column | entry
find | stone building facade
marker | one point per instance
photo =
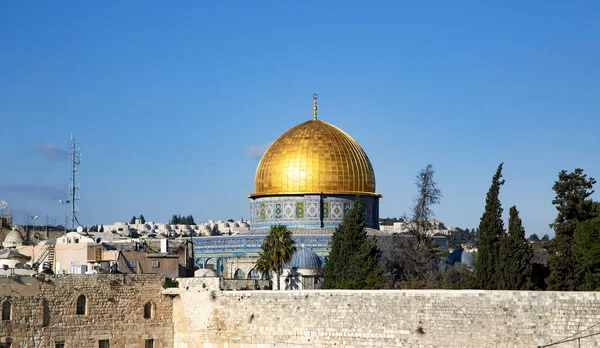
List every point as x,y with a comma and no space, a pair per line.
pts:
86,311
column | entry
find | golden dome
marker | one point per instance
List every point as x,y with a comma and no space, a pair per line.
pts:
314,157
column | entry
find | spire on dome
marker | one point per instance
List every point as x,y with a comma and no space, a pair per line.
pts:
315,96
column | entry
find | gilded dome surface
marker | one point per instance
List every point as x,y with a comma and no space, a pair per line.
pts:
314,157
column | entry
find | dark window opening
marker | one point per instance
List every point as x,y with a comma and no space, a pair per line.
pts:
104,344
6,310
148,310
150,343
81,305
59,345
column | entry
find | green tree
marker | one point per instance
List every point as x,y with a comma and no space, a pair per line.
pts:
101,228
534,238
142,219
514,263
546,238
277,249
492,232
132,221
353,261
574,206
215,231
586,249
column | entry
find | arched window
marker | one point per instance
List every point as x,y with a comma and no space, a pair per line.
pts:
265,275
252,274
148,310
6,310
238,274
81,305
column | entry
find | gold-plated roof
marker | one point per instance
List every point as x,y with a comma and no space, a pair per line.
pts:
314,157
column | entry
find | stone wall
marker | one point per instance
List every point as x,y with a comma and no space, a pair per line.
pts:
412,318
44,311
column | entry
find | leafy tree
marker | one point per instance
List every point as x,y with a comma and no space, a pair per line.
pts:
101,228
574,206
142,219
534,238
353,261
428,196
174,220
492,232
586,249
514,264
277,249
230,220
407,263
215,231
546,238
132,221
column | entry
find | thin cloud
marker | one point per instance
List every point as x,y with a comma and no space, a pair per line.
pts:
49,151
36,190
256,151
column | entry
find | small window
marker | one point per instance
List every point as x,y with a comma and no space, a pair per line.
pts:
150,343
104,344
6,310
81,305
59,344
155,263
148,310
5,345
131,263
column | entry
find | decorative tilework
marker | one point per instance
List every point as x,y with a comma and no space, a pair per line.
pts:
299,210
347,207
269,211
337,210
312,210
278,211
326,210
288,211
262,211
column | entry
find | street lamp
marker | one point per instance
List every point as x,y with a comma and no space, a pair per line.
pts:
64,203
32,218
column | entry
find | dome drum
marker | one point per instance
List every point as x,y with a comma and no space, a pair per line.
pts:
309,214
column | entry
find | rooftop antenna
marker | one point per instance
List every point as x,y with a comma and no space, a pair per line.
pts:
75,155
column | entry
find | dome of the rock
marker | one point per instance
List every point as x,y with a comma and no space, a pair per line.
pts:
310,177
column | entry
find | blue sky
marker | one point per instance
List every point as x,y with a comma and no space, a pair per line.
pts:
170,101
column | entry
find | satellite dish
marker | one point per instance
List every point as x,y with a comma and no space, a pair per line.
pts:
3,205
79,229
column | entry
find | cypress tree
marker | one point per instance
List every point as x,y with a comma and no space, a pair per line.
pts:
574,206
586,248
492,232
515,256
142,219
353,261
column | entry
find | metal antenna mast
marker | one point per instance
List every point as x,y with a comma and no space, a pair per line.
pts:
75,155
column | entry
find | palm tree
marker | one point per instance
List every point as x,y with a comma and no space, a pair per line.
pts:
277,249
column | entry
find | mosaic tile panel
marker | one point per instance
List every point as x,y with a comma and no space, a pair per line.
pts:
312,210
288,211
347,208
337,210
269,211
299,210
262,211
278,211
325,210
